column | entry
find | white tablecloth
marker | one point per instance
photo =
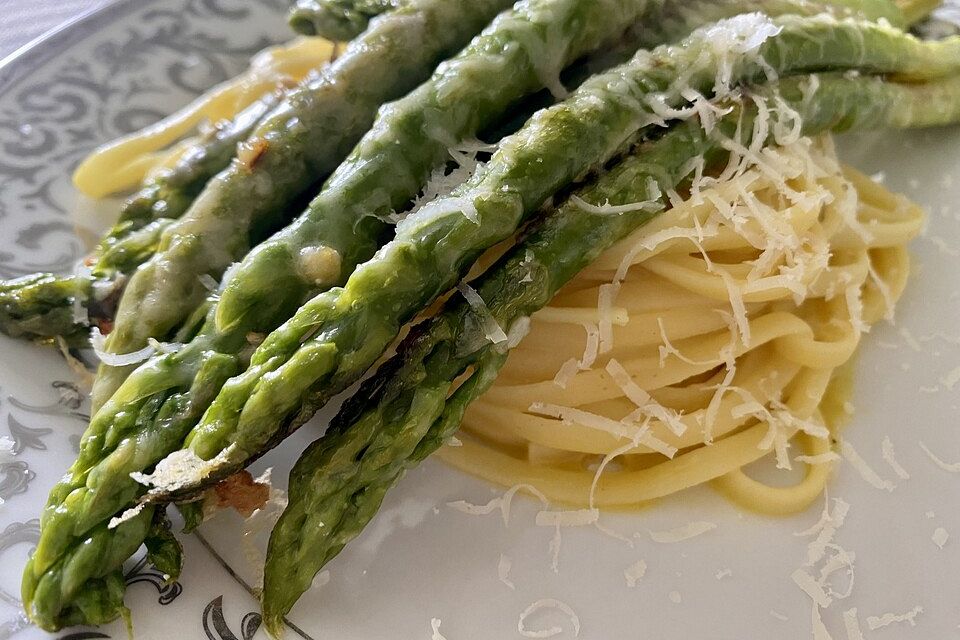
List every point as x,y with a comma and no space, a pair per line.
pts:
24,20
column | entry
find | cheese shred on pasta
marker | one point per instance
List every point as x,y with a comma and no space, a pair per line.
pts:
740,310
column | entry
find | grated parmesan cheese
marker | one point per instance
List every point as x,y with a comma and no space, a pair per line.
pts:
826,528
320,580
820,458
910,340
621,429
208,282
649,243
864,469
634,573
952,467
558,519
547,603
435,629
527,263
940,537
738,36
492,330
819,629
518,331
503,571
943,246
261,520
592,348
646,404
739,308
575,518
98,342
608,209
502,503
675,597
874,623
79,312
566,373
164,347
812,588
951,379
606,295
852,624
840,560
441,184
888,301
684,532
129,514
886,448
179,469
554,550
440,206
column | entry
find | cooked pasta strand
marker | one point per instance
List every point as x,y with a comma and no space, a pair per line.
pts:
746,382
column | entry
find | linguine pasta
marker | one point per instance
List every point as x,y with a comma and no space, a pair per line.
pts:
727,340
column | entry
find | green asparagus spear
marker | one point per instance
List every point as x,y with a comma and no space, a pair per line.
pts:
464,96
42,306
300,142
337,335
341,20
407,410
669,21
98,597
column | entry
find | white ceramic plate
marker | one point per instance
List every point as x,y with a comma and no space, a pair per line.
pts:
419,560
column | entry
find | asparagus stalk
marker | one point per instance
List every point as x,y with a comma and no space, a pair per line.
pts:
341,20
98,598
42,306
301,141
669,21
411,407
152,411
336,336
